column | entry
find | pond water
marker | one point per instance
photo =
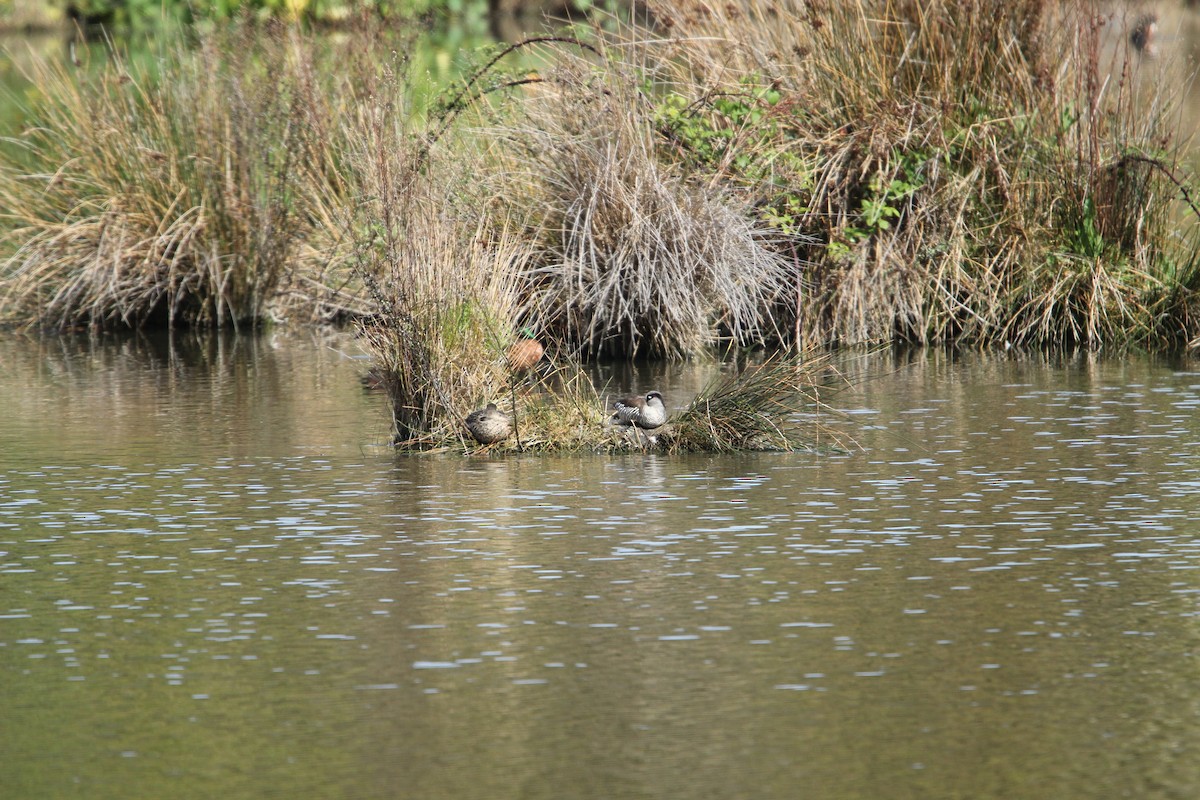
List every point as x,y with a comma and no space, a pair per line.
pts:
217,580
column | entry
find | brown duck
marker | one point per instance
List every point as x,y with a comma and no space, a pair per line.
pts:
489,425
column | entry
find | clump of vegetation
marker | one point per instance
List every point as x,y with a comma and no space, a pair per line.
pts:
635,257
776,404
439,271
169,199
986,171
445,307
443,282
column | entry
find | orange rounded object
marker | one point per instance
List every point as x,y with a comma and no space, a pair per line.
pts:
524,353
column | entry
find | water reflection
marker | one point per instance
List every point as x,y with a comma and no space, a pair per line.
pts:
144,396
995,598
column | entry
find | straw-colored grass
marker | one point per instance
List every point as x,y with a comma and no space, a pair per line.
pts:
987,171
635,258
139,198
759,173
754,173
445,307
775,404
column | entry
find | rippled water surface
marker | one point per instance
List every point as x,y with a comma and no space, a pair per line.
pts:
216,582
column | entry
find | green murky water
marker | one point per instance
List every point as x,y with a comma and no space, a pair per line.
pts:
216,581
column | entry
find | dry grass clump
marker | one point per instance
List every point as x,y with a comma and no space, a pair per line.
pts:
776,404
987,171
167,198
634,257
445,305
446,315
439,272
